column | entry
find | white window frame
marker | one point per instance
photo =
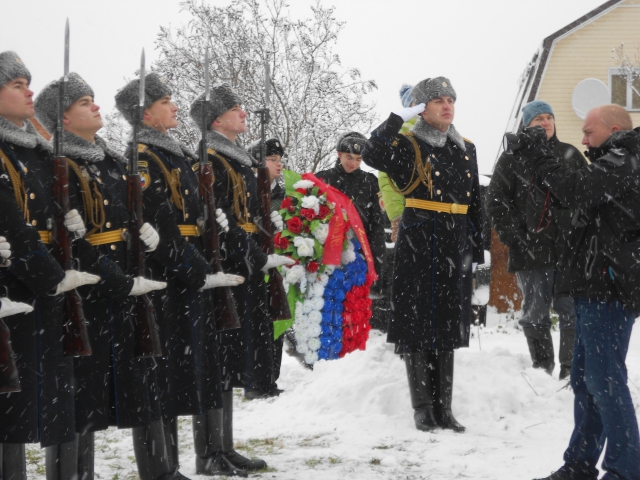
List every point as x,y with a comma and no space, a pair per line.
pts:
620,71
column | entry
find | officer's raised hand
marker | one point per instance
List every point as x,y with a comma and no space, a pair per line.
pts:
221,279
8,307
149,237
74,279
75,225
410,112
274,260
5,252
143,285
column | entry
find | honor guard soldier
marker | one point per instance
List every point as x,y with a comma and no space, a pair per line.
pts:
246,353
43,411
113,387
189,371
439,238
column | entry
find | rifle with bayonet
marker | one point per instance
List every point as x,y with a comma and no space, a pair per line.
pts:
278,304
147,339
76,337
224,305
9,377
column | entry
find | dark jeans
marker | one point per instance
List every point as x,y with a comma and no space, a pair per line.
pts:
536,287
603,409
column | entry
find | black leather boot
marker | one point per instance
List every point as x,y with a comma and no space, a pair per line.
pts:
151,451
569,473
61,461
207,442
443,381
13,463
230,454
86,455
540,346
419,376
567,337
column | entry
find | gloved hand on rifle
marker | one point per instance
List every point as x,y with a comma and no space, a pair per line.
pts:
410,112
8,307
74,279
75,225
221,279
5,252
149,237
276,220
274,260
143,285
221,220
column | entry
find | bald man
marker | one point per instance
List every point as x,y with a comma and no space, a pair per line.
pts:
605,197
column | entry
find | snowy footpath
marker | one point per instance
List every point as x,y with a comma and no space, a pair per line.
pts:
352,419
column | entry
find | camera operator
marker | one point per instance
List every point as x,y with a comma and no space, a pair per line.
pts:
520,212
606,198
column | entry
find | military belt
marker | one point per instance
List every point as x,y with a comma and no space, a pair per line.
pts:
189,230
437,206
46,236
249,227
103,238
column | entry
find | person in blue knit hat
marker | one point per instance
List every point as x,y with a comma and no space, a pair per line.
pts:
535,232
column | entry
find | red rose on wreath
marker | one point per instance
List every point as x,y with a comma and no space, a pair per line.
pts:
323,212
280,242
313,266
288,204
302,191
308,213
294,225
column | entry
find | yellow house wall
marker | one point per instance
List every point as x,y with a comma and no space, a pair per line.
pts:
587,53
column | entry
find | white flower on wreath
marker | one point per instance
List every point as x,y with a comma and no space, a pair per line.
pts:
316,303
304,246
304,184
314,344
315,317
311,202
315,330
294,274
317,290
349,255
321,232
311,357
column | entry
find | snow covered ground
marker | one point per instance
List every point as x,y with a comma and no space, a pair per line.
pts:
352,419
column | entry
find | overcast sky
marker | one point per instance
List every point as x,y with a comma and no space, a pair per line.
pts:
481,45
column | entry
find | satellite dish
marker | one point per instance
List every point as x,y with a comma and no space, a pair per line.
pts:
588,94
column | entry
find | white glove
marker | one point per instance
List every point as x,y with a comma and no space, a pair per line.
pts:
221,219
74,279
274,260
142,285
277,221
5,252
75,225
7,307
221,279
410,112
149,237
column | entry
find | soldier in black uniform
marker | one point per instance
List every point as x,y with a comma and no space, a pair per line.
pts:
44,410
112,386
189,372
247,353
439,238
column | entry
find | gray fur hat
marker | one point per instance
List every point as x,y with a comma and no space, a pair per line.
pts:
11,67
127,98
223,98
46,103
426,90
351,142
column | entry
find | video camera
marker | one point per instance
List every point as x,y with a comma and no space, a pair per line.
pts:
514,142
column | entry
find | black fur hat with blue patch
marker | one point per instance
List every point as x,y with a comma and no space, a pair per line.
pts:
351,142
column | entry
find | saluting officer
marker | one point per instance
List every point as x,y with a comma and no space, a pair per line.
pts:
43,411
112,386
439,238
247,353
189,371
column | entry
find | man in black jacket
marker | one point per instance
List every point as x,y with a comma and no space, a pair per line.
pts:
362,188
520,212
605,197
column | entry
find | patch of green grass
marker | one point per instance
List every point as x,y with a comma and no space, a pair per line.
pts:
382,447
334,460
260,446
313,462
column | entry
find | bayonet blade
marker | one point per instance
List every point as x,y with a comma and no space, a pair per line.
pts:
66,50
267,85
207,87
142,81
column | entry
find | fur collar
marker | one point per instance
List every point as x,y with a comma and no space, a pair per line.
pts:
28,138
155,138
76,147
434,137
226,147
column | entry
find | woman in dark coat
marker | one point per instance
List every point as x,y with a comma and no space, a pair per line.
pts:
188,374
439,238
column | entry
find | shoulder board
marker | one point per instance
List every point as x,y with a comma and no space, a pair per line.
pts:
195,167
467,140
142,148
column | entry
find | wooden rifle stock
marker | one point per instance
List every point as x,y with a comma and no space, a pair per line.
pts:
278,304
9,378
76,338
147,339
223,302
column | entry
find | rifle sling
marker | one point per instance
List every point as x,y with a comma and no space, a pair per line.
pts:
237,185
94,215
172,178
423,169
